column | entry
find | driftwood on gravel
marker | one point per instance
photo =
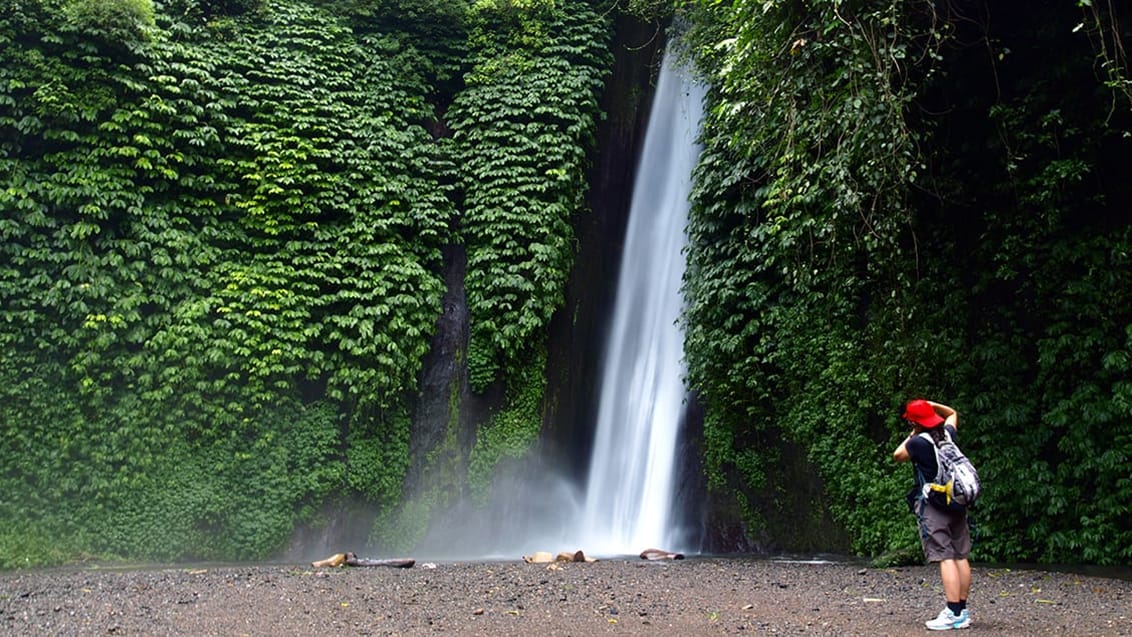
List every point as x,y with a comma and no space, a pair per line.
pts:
401,562
349,559
544,557
657,554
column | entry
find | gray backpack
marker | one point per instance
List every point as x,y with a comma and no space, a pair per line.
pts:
956,486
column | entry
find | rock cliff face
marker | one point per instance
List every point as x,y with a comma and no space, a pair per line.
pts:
577,334
447,414
445,399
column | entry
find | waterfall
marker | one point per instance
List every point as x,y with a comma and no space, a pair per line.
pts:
626,504
629,493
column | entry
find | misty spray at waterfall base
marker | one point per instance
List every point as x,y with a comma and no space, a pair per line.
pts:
627,503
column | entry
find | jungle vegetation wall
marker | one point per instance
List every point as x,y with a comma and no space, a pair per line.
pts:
919,199
222,254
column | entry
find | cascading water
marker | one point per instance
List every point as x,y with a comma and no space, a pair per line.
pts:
628,499
629,493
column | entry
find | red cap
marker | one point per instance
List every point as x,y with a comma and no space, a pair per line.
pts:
922,413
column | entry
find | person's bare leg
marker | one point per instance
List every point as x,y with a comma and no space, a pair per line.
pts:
964,567
949,572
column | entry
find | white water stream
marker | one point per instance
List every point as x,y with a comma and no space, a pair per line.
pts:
629,494
626,505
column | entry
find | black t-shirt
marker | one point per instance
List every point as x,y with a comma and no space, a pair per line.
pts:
921,449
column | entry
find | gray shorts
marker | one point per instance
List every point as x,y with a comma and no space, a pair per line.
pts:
943,534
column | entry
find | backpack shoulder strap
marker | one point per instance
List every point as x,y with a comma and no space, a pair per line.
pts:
935,449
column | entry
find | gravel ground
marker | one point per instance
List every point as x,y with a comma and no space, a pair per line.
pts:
695,596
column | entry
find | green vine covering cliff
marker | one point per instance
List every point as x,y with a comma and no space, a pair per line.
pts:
522,127
221,253
903,199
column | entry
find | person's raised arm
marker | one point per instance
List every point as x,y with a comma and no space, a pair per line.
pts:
950,416
901,453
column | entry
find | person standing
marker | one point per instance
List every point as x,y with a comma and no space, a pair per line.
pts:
944,534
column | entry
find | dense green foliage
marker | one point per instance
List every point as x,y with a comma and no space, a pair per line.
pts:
896,200
221,260
511,432
205,251
521,130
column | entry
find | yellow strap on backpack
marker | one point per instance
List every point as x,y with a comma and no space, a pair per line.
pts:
943,488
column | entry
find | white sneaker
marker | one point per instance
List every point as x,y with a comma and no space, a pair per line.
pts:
947,620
